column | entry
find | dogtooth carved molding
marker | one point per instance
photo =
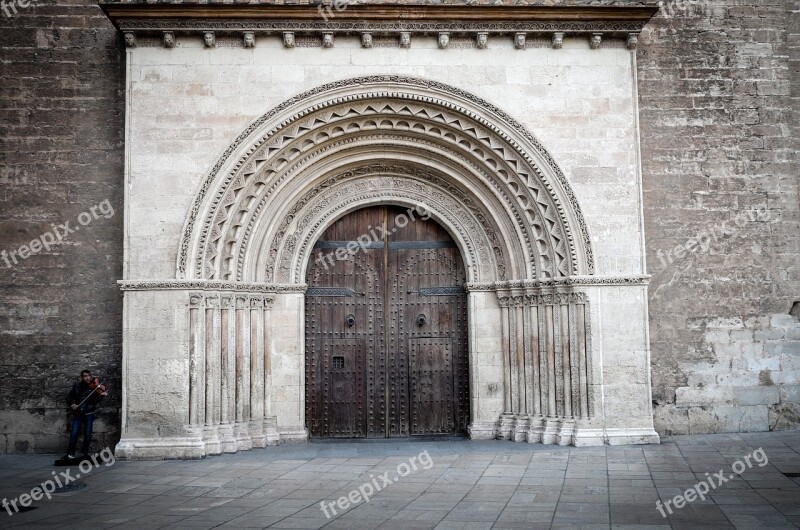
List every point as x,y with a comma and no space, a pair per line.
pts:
475,144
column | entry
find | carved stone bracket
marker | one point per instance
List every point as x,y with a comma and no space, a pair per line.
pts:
249,39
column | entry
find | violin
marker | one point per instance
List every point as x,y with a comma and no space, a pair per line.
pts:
97,386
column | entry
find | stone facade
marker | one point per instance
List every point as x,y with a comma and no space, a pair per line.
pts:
717,143
718,100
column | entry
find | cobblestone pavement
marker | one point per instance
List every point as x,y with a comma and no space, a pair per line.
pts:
466,485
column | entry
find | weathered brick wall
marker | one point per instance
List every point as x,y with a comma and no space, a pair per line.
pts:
720,179
718,139
61,153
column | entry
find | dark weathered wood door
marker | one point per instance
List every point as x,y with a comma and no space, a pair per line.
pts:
386,328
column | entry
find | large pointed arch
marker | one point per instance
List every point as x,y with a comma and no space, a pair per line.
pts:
376,139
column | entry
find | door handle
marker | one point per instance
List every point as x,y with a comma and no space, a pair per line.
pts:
350,320
421,320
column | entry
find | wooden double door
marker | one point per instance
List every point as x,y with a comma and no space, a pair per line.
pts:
386,328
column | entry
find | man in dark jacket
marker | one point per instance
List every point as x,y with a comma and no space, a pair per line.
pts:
83,400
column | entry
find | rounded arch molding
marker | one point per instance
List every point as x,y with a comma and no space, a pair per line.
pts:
395,139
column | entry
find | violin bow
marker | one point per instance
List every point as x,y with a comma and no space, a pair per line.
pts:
90,394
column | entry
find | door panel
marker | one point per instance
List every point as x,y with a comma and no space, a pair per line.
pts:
391,316
430,367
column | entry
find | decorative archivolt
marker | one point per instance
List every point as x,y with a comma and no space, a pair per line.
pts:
484,252
478,154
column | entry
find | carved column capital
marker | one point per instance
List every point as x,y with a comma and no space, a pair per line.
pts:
633,41
130,39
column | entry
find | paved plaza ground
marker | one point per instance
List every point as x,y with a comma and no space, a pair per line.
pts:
456,485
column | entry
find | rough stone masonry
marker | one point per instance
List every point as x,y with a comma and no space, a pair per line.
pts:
718,94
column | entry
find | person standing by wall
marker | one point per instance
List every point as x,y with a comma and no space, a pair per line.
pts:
83,400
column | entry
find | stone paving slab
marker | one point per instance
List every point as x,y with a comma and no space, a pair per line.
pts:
458,485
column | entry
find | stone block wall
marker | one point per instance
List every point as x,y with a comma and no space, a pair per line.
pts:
62,113
718,102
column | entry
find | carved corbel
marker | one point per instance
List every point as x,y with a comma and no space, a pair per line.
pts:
519,40
405,39
209,39
327,40
558,40
444,39
595,41
633,41
482,40
130,40
366,40
249,39
288,39
168,39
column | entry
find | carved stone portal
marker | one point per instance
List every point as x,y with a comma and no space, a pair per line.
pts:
556,353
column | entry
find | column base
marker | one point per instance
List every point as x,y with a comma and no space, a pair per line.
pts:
185,448
293,435
482,430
